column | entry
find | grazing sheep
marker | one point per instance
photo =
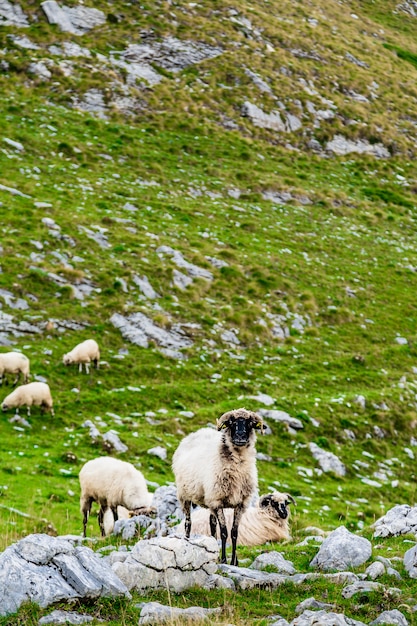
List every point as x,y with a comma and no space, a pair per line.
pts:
267,521
112,483
216,469
32,394
85,352
14,363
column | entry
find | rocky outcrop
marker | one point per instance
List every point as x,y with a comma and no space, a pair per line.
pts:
342,550
169,562
46,569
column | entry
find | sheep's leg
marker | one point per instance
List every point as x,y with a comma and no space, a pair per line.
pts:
115,513
28,410
87,368
16,379
86,512
80,368
96,363
101,519
223,533
213,524
187,512
234,531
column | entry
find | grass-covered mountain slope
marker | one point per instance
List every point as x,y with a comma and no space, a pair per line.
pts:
240,180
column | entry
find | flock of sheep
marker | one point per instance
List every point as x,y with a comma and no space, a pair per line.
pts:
38,393
214,469
223,485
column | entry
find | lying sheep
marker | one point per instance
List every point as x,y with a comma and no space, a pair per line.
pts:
267,521
14,363
112,483
216,469
32,394
86,352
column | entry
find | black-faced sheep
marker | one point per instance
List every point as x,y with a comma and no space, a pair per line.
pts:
267,521
14,363
112,483
32,394
216,469
86,352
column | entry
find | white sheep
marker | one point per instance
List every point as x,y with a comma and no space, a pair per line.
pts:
216,469
32,394
267,521
14,363
86,352
111,483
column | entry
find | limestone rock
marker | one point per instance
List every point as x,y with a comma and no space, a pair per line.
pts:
169,562
313,618
394,617
156,613
399,520
274,559
46,569
342,550
327,460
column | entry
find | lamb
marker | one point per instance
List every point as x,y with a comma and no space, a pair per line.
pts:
267,521
112,483
32,394
85,352
217,469
14,363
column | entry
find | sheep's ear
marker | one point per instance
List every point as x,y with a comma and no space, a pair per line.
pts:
291,500
222,425
259,425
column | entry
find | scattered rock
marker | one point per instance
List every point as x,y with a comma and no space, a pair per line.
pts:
65,617
274,559
327,460
169,562
156,613
47,569
399,520
342,550
341,146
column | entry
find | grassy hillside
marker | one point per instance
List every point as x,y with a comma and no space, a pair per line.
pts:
320,245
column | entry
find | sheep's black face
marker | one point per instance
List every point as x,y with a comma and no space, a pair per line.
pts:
240,431
280,506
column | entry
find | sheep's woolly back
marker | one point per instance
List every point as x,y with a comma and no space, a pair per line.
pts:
13,363
211,472
112,482
32,394
257,525
84,352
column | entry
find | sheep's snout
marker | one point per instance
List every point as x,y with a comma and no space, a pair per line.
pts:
282,510
4,407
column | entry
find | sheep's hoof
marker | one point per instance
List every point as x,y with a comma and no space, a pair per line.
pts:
224,560
234,562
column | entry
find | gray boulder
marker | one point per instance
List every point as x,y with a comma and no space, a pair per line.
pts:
274,559
65,617
327,460
45,569
410,562
246,578
169,562
394,617
313,618
156,613
342,550
399,520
